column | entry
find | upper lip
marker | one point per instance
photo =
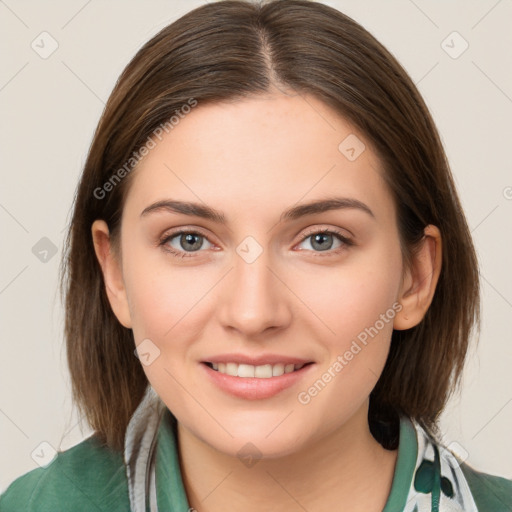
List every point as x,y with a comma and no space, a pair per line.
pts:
256,360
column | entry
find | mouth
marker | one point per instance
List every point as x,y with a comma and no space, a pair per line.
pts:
256,382
256,376
265,371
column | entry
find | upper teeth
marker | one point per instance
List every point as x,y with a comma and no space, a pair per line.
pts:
264,371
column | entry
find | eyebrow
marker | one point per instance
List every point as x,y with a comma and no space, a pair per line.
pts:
206,212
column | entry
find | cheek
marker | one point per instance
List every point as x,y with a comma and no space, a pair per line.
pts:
169,304
348,300
159,301
356,305
166,308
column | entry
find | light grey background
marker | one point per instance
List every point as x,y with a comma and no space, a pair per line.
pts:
49,110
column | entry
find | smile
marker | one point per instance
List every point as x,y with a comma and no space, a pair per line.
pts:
265,371
255,382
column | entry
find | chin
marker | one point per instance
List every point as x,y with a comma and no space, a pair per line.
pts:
254,441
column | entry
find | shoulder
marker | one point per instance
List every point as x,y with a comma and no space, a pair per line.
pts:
87,476
491,493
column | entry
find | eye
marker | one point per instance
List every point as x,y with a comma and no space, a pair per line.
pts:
322,240
181,243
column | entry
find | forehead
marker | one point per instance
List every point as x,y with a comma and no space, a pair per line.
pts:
262,155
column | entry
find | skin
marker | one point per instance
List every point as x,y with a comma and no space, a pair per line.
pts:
252,160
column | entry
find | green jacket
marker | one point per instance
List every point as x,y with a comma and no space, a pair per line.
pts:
90,477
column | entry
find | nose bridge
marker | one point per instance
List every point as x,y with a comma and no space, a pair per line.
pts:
255,299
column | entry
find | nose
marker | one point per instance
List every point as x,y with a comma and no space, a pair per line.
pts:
254,298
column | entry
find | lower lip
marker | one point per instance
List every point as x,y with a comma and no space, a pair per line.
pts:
253,388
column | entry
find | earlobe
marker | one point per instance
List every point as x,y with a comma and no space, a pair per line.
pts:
112,272
420,281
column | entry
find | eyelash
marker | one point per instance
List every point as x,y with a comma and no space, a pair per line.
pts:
347,242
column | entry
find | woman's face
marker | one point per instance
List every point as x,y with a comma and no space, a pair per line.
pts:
261,285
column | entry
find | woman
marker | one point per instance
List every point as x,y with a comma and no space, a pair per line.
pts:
270,284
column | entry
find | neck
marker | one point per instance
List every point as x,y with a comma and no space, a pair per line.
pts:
347,469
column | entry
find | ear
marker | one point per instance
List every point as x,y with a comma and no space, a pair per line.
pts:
419,283
112,272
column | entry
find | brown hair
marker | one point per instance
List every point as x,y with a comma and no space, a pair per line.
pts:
231,50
